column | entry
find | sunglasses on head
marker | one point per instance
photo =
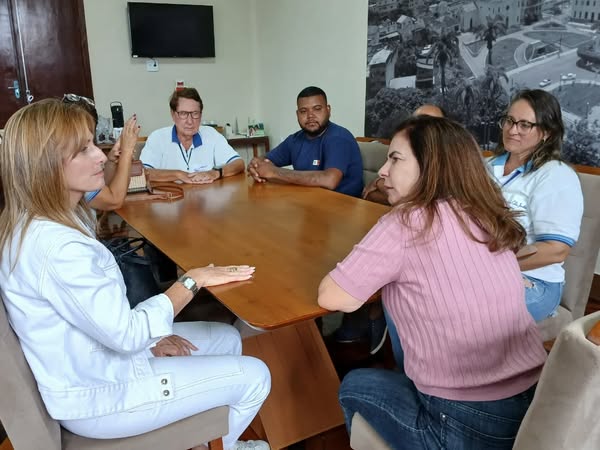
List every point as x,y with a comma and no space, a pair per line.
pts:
73,98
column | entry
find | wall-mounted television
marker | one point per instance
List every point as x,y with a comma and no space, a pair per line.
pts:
171,30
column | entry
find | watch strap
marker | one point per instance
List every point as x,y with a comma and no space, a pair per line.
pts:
188,283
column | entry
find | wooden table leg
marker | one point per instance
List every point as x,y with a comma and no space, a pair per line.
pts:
304,384
255,149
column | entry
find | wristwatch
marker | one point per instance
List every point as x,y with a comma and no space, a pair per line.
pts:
188,283
220,170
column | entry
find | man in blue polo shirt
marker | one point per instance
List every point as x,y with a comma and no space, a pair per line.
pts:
322,153
188,152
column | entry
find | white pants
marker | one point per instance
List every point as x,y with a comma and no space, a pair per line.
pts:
215,375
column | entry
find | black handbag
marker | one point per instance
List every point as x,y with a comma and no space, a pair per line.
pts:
136,269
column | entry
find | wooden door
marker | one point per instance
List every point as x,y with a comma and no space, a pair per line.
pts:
9,69
50,38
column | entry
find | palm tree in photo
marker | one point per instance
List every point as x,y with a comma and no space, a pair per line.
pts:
496,98
489,33
445,50
467,95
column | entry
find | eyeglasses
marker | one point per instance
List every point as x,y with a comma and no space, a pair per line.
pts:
185,114
523,126
73,98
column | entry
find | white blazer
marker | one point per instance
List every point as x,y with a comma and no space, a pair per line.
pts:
87,349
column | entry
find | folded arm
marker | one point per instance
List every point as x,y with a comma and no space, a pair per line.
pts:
163,175
334,298
375,192
262,169
548,252
231,169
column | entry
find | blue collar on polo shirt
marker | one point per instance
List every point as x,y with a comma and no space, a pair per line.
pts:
501,161
196,139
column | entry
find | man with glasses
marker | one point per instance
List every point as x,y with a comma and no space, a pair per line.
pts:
188,152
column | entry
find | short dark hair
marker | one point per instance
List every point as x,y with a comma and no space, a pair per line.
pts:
311,91
190,93
548,118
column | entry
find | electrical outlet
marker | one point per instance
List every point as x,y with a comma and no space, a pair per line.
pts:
152,65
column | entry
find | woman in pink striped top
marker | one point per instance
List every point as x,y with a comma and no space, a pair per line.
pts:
444,258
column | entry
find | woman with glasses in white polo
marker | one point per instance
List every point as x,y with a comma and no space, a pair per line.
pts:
528,167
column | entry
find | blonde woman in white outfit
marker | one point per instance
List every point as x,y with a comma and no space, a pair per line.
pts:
101,367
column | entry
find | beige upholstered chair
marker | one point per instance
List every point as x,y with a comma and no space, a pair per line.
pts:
580,265
564,411
374,154
29,427
364,437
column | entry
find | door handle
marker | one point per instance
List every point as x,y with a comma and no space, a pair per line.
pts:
16,89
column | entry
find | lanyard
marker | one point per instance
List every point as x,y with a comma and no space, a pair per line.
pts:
513,176
189,156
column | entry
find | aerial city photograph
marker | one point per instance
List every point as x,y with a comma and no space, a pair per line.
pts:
470,57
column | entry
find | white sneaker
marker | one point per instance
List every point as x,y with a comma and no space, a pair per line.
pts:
250,445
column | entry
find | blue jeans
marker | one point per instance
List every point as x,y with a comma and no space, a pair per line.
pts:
543,298
408,419
395,340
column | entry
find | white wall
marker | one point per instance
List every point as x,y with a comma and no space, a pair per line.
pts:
311,42
266,52
227,83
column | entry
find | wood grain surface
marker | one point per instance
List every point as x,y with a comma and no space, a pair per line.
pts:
294,235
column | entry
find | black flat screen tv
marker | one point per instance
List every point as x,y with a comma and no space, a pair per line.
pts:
169,30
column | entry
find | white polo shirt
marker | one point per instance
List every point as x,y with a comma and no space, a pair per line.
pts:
209,150
551,201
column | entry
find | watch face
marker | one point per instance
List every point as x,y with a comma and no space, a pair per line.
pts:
188,283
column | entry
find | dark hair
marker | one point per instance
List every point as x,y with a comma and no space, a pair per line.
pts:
453,170
549,119
311,91
190,93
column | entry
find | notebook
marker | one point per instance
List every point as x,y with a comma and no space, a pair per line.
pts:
137,182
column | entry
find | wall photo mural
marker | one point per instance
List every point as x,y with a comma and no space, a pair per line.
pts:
471,56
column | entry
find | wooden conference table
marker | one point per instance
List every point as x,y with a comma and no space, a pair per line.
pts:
294,235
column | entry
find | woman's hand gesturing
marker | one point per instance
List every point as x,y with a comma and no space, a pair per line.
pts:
214,276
